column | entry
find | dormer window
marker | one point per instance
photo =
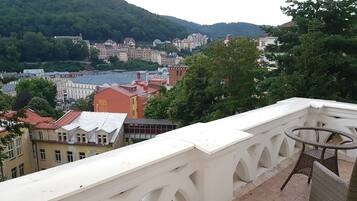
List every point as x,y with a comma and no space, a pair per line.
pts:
84,139
78,137
102,139
99,139
64,136
81,138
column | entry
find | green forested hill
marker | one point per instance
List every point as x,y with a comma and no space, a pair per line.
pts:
94,19
220,30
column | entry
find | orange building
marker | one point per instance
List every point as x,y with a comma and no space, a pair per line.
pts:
176,73
130,99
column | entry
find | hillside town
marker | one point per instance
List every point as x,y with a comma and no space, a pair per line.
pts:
129,100
118,116
128,50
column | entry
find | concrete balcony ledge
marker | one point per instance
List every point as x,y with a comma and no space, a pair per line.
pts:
58,182
211,161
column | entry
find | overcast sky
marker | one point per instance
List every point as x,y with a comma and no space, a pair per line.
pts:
212,11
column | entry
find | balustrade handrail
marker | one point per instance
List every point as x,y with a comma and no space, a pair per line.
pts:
206,142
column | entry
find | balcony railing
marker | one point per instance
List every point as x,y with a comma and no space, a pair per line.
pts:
212,161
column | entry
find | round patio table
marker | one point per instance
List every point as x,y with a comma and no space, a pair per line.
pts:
318,152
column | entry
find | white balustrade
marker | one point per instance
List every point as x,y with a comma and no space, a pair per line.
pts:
203,162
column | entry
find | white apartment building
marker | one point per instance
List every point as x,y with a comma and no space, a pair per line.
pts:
9,88
96,128
157,42
127,51
142,54
198,40
263,42
122,54
77,91
34,73
61,87
102,51
191,42
129,42
156,56
111,49
184,44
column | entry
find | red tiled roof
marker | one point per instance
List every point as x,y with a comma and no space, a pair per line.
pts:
49,126
34,119
67,118
31,117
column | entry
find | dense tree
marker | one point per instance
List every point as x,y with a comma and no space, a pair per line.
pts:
220,30
21,100
8,79
38,87
42,107
35,47
77,50
219,83
94,19
84,104
317,56
131,65
192,98
157,107
94,55
6,102
9,53
166,47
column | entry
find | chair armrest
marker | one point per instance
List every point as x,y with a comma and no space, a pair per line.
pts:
326,185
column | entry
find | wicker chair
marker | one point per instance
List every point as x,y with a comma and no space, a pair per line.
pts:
327,186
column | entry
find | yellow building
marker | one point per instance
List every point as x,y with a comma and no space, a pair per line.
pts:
75,136
19,153
50,143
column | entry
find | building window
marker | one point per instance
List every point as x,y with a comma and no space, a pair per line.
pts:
104,139
18,146
21,169
40,134
58,156
99,139
84,139
33,151
42,154
14,172
69,156
82,155
78,137
133,113
59,136
10,149
64,136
